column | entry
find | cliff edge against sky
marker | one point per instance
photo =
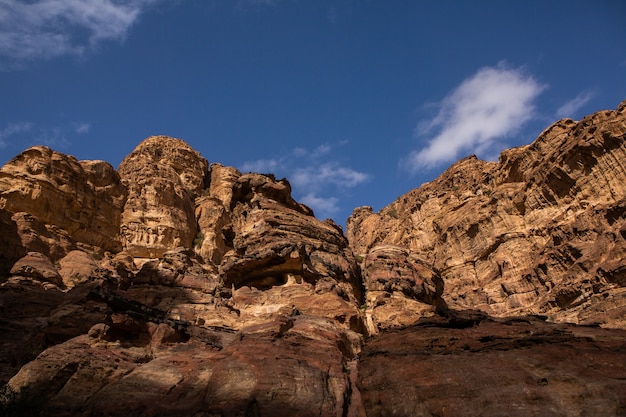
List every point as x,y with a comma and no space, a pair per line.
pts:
172,287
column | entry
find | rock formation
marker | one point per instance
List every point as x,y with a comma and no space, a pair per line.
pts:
162,176
541,231
175,287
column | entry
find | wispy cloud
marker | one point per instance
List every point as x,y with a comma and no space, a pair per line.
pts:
318,179
491,105
246,4
82,128
43,29
13,129
570,108
327,173
261,165
24,134
327,205
54,137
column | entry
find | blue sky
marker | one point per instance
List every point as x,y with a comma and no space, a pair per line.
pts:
354,101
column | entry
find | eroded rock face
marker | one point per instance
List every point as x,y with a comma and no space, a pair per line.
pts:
219,294
11,248
401,288
223,296
156,370
278,243
541,231
213,214
162,175
65,198
78,267
37,266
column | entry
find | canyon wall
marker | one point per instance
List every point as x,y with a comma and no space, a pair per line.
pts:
173,286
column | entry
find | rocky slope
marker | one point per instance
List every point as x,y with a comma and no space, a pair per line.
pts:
175,287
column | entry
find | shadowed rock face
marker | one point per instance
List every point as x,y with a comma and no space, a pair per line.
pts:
469,365
173,287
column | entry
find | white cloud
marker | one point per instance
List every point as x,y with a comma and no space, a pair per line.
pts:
570,108
327,173
13,129
322,150
54,137
492,104
82,128
318,179
43,29
326,205
26,134
260,165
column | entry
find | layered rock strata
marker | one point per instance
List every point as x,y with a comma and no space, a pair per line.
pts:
57,201
177,287
162,176
541,231
208,290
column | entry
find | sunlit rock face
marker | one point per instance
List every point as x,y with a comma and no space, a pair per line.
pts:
173,287
541,231
162,176
55,201
400,288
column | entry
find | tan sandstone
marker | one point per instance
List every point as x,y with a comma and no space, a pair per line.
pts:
177,288
541,231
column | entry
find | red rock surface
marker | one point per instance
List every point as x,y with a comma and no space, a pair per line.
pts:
470,365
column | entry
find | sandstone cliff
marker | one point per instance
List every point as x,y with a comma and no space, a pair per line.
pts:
541,231
175,287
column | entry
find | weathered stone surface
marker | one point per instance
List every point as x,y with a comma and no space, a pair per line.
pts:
37,236
11,248
37,266
539,232
220,295
163,175
81,199
469,365
277,243
77,267
35,315
274,235
213,214
293,366
400,288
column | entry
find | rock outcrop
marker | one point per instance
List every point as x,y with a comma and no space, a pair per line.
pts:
177,287
162,176
541,231
57,201
214,291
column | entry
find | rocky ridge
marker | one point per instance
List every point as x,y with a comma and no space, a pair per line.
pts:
173,287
